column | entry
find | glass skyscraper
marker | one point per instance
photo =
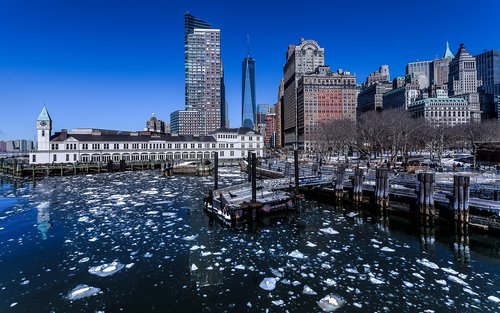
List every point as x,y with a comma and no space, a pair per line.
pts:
204,85
248,102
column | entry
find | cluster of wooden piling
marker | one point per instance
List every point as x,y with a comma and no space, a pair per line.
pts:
460,203
382,187
339,182
357,184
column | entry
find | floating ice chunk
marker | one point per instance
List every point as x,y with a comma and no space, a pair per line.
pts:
285,281
278,302
456,280
449,270
268,283
107,269
408,284
276,272
387,249
82,291
150,192
13,304
469,291
129,265
194,267
310,244
330,282
352,270
428,263
152,212
148,254
330,303
352,214
93,239
376,281
83,219
329,231
417,275
195,247
322,254
308,291
376,241
24,282
43,205
83,260
494,299
358,305
240,267
189,238
441,282
296,282
203,253
297,254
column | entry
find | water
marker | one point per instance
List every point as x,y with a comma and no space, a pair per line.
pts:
170,257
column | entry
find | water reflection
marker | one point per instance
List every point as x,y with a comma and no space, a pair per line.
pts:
43,220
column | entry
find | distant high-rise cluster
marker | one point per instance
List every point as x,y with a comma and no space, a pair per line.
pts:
204,80
452,90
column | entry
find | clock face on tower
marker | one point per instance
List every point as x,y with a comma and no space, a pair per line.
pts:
43,123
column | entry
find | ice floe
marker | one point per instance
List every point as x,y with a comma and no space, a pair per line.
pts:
308,291
428,263
106,269
329,231
494,299
330,303
297,254
457,280
268,283
82,291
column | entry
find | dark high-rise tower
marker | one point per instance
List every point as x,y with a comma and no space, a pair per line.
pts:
248,103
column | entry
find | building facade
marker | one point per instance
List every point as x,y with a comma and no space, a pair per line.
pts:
371,98
155,125
462,80
488,71
382,75
248,102
401,97
278,109
323,96
203,77
85,145
422,70
442,111
439,71
301,59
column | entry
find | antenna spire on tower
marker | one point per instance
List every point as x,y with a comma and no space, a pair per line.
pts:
248,45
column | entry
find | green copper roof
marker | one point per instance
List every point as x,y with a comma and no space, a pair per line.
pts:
447,54
44,115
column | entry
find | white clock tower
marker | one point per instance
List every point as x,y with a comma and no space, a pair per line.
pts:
44,130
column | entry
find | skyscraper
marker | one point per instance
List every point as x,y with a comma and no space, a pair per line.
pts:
204,98
248,103
488,71
301,59
462,80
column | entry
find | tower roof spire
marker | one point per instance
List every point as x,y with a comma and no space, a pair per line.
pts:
44,115
447,53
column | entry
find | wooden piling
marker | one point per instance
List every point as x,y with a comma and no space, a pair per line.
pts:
339,181
254,178
382,187
249,167
425,193
216,172
460,200
296,161
357,194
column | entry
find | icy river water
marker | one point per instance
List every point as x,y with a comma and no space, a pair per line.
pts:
136,242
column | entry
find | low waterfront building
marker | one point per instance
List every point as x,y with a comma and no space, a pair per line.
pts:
98,145
444,111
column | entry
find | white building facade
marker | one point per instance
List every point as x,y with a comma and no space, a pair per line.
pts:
442,111
85,145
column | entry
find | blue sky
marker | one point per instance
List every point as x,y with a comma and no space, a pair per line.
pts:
110,64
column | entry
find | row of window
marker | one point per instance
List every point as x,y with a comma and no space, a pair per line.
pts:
135,146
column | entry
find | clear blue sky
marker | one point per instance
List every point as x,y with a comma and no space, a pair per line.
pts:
110,64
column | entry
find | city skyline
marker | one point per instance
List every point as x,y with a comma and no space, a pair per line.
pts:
111,65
